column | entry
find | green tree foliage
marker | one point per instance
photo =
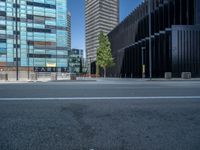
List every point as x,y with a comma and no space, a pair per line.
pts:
104,55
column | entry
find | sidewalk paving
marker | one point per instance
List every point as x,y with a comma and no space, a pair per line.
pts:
48,80
146,79
103,80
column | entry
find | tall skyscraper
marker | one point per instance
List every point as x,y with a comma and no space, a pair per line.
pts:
69,30
100,15
33,34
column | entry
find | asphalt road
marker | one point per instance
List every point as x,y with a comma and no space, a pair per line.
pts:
103,115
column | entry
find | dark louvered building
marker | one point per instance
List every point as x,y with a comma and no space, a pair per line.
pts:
175,40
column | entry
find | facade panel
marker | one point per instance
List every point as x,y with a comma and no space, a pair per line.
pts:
186,55
197,4
69,30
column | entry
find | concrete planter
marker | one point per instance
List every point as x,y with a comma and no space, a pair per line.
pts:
34,76
186,75
168,75
54,76
72,76
4,77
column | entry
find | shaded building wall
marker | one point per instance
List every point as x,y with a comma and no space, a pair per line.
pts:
161,57
197,4
186,50
128,38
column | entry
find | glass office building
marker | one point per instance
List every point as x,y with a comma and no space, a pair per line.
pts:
76,60
34,34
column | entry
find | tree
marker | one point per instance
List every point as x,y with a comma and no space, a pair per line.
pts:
104,55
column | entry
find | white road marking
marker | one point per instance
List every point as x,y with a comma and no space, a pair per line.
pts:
100,98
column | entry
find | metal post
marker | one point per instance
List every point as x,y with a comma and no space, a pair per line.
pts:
143,55
16,39
143,65
90,67
33,58
28,61
150,50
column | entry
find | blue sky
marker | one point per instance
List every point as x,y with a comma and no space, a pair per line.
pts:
76,7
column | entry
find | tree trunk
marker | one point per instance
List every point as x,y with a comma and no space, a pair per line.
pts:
97,70
104,72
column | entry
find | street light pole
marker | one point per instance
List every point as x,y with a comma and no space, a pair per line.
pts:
150,50
16,42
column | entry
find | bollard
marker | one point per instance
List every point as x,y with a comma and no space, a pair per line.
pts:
6,77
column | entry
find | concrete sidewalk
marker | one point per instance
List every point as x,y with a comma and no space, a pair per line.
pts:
48,80
146,79
104,80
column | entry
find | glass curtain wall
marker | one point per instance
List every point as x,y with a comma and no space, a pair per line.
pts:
41,31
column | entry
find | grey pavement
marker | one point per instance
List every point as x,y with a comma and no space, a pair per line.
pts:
155,116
